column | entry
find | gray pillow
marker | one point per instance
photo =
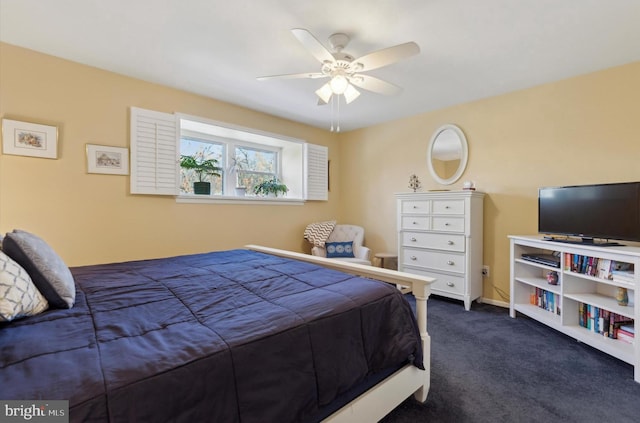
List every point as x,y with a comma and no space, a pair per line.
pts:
49,273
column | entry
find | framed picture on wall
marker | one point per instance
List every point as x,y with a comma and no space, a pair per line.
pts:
108,160
29,139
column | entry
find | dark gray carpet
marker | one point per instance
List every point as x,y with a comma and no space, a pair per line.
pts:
488,367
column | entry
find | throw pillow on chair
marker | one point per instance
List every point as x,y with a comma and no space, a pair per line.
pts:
339,249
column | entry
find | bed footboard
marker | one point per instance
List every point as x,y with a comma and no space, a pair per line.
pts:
388,394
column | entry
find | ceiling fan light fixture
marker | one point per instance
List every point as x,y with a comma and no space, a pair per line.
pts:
324,93
351,94
339,84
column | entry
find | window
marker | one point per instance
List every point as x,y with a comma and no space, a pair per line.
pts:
241,166
245,157
252,166
201,150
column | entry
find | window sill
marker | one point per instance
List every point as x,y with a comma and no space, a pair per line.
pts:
219,199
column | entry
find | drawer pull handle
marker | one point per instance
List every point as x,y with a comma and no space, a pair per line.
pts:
451,284
450,263
415,207
414,258
446,224
450,242
415,223
447,207
413,240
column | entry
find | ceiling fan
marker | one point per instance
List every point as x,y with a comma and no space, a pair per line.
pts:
344,71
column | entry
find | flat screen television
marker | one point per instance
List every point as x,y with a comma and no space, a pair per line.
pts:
593,213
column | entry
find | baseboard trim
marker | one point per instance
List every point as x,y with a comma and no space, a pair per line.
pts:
494,302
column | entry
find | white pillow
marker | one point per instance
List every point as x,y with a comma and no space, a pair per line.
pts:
19,297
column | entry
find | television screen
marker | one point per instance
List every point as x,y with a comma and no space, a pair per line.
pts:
604,211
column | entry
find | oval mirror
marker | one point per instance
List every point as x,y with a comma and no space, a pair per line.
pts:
447,154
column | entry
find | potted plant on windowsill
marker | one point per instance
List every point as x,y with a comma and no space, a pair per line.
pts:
270,187
203,168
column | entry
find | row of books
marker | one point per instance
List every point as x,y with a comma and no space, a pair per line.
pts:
599,267
546,300
605,322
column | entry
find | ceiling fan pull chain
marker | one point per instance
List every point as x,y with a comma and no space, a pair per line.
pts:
338,118
332,101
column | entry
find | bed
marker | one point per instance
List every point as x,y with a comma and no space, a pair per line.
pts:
246,335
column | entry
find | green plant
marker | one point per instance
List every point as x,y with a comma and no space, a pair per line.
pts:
271,186
201,167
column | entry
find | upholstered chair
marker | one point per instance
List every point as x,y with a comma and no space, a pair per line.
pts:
342,234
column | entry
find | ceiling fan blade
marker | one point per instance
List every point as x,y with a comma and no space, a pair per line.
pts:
314,46
312,75
375,85
385,57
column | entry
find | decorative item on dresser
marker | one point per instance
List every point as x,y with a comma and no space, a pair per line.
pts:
440,236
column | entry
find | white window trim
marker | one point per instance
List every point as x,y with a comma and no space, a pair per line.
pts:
221,199
314,177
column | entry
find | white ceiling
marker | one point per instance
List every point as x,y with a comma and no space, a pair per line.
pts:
470,49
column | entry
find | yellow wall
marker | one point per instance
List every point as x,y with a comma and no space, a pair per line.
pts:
577,131
581,130
90,218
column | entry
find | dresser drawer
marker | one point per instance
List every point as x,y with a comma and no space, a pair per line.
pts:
415,222
446,283
447,224
416,206
450,262
434,241
448,207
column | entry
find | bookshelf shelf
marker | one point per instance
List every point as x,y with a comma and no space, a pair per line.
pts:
540,283
583,304
540,314
618,349
604,302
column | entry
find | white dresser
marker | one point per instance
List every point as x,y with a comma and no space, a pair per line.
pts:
440,236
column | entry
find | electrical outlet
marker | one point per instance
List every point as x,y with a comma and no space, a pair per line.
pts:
485,271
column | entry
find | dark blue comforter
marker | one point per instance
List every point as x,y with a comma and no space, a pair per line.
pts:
232,336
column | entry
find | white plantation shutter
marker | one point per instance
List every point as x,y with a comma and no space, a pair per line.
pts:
154,152
316,172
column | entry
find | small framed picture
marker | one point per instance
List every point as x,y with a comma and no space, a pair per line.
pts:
29,139
106,159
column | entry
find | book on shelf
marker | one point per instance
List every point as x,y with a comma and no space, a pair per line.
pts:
599,267
624,336
603,270
615,322
546,300
625,333
577,263
628,327
622,275
604,322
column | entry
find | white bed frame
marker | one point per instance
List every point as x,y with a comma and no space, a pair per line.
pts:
378,401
